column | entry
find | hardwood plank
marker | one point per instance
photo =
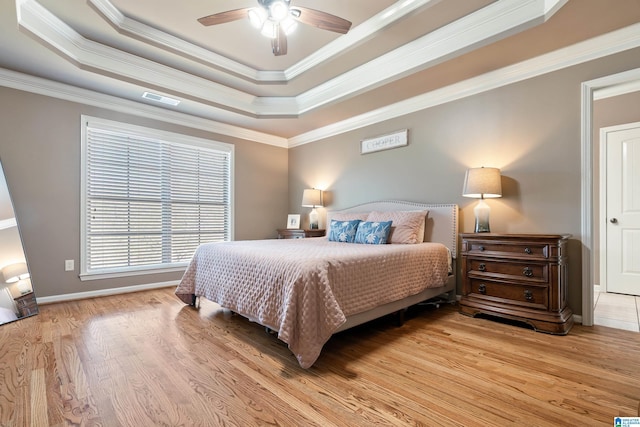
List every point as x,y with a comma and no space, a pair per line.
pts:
38,399
147,359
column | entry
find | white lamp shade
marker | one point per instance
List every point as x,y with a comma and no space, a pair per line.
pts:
482,183
15,272
257,16
269,29
312,197
289,25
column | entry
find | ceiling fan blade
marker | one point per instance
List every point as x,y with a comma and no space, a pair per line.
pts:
322,20
222,17
279,43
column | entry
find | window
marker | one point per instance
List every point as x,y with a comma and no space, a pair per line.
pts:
150,198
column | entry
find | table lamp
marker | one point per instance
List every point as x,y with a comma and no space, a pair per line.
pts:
482,183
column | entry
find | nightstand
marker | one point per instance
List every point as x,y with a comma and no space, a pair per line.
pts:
521,277
26,304
298,233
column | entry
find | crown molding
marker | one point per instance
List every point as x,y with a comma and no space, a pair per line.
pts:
616,90
105,60
478,29
37,85
493,22
8,223
138,30
595,48
358,35
135,29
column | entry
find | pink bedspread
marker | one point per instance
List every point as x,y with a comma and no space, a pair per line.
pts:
305,288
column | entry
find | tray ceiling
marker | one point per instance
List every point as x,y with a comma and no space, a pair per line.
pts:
226,73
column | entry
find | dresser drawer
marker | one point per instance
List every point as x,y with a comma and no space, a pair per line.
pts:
522,271
507,249
513,294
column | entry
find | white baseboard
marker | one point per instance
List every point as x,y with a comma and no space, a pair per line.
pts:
104,292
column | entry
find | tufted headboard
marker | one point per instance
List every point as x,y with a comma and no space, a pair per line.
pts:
441,225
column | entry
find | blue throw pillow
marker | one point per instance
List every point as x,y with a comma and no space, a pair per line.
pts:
373,232
343,231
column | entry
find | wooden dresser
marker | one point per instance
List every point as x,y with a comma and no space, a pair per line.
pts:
299,233
521,277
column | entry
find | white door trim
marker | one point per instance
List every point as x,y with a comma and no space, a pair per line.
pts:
588,90
604,132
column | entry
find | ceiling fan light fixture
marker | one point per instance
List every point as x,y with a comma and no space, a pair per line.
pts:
269,29
278,10
257,17
289,25
275,19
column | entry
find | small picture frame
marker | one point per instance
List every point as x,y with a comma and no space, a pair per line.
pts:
293,221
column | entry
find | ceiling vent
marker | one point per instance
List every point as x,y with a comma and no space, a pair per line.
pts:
160,98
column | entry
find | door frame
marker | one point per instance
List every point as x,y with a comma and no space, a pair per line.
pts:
604,132
589,89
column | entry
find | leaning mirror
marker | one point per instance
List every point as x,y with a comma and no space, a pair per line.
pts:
16,293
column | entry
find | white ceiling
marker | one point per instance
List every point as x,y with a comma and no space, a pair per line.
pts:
395,50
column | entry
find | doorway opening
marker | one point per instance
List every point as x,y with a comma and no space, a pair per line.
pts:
629,81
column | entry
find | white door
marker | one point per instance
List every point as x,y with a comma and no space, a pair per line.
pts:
622,216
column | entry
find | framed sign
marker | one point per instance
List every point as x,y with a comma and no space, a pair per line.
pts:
384,142
293,221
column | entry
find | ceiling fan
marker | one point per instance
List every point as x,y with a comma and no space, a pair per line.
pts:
276,19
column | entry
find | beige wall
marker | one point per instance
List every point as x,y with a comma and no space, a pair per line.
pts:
40,152
530,130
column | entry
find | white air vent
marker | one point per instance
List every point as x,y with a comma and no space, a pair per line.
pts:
160,98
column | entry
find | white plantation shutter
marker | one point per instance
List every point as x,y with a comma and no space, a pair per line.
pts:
150,201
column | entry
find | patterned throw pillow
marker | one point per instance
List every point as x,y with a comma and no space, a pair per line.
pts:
343,231
373,233
344,216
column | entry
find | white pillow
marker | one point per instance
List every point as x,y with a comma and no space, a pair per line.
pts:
407,226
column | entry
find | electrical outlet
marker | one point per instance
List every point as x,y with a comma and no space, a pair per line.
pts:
68,265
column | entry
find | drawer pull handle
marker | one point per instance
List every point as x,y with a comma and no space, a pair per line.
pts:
482,288
481,248
482,267
527,272
528,251
528,295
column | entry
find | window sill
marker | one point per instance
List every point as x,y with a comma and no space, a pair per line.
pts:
99,275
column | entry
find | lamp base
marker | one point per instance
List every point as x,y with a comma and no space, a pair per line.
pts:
482,217
313,219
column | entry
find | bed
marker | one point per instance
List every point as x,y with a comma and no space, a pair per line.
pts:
7,315
305,290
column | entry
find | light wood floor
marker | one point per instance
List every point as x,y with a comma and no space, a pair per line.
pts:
146,359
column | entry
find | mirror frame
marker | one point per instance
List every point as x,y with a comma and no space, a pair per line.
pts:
16,296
